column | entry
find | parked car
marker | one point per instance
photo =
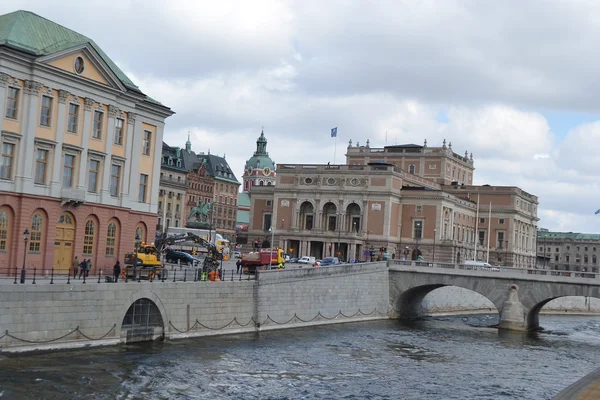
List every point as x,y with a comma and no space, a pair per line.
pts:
237,254
293,260
330,261
306,260
184,258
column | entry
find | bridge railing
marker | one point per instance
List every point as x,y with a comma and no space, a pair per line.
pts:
492,270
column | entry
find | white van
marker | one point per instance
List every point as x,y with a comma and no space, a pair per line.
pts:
307,260
482,265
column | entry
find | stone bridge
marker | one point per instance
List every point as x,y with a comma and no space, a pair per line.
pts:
518,294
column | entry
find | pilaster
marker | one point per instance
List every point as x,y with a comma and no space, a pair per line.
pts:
85,135
134,157
128,149
60,132
153,196
23,179
3,81
113,113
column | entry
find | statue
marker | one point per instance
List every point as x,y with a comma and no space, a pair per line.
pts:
201,211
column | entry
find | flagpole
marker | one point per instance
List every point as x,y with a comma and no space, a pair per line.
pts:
487,259
476,236
334,148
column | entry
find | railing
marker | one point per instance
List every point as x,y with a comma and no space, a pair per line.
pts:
495,270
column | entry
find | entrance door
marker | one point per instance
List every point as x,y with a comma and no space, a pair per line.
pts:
64,242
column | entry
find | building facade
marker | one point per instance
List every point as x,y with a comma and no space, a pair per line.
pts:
568,251
364,210
79,164
173,187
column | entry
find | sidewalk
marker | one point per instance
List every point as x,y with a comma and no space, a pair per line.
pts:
587,388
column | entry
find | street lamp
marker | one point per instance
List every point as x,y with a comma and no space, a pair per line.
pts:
271,253
339,224
26,239
400,243
135,252
434,235
505,253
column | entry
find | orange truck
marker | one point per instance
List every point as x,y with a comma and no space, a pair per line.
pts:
262,259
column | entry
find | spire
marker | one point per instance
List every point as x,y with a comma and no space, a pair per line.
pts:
444,144
261,144
425,143
188,144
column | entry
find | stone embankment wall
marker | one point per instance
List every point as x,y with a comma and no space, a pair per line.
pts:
45,316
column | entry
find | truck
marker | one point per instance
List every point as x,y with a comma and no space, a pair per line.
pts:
262,259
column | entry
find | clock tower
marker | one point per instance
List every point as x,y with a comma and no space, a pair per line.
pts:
259,169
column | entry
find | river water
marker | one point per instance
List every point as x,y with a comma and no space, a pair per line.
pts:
436,358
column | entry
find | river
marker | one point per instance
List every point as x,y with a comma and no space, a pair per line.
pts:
435,358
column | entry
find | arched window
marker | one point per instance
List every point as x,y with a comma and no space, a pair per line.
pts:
88,237
35,240
262,183
268,183
411,169
3,230
111,237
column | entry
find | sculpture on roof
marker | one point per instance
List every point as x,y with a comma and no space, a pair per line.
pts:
199,213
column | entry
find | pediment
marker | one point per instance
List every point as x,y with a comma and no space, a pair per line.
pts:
94,67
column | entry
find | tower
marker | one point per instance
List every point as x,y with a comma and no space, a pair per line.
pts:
259,169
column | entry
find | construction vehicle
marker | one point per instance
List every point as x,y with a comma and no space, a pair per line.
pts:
147,263
264,258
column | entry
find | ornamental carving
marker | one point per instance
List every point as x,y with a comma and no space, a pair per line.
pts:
131,118
32,87
48,91
113,111
62,96
4,78
88,104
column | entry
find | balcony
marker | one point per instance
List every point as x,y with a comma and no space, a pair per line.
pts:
182,183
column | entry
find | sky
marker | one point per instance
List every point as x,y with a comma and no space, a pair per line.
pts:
515,83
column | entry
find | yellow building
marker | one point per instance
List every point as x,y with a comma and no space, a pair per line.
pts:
81,149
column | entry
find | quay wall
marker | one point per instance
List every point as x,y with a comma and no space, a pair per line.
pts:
44,316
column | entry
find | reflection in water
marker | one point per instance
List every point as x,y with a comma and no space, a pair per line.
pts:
434,358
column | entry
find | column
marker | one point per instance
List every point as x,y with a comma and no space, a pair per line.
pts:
3,81
128,147
153,195
85,135
296,219
113,112
60,130
26,146
308,248
365,217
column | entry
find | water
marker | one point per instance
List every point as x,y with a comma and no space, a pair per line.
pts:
437,358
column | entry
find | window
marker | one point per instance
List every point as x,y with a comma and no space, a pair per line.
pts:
556,258
432,166
567,258
115,177
557,249
146,143
266,222
73,116
418,229
481,237
118,132
586,249
501,221
568,247
3,230
41,160
111,238
8,150
97,130
12,103
88,238
500,239
593,257
411,169
139,232
68,171
482,220
35,239
585,258
93,175
46,111
142,188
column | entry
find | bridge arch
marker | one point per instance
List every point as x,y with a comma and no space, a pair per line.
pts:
532,317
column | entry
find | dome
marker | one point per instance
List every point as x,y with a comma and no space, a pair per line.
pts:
260,159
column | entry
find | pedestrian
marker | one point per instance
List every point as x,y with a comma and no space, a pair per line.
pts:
238,264
117,271
82,268
88,267
75,267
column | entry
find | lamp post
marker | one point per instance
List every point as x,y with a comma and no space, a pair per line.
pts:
135,253
434,235
505,253
271,252
26,239
400,243
339,224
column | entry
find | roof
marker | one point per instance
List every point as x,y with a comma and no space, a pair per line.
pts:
243,199
175,153
243,217
567,235
30,33
218,167
413,146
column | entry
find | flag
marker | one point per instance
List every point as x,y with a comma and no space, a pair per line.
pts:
334,132
597,211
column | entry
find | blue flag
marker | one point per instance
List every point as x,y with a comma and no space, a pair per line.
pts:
597,212
334,133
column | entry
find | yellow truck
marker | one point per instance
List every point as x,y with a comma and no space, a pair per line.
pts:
145,264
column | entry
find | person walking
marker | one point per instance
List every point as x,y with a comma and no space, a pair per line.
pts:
75,267
238,264
82,268
117,271
88,267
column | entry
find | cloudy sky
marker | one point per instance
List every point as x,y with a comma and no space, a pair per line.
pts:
514,82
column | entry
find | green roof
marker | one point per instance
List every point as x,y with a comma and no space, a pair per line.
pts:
28,32
243,200
543,234
243,217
